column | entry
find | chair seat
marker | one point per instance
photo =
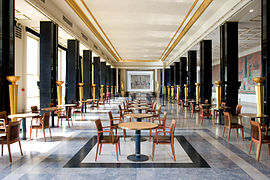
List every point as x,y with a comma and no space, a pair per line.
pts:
62,116
108,139
36,126
3,139
162,139
236,125
265,139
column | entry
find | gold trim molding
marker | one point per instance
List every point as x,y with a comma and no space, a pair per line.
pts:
138,60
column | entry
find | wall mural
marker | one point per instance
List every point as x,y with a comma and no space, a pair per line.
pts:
248,67
140,80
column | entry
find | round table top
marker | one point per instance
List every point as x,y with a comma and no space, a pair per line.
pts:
144,104
23,115
90,100
138,125
138,115
139,108
67,105
51,109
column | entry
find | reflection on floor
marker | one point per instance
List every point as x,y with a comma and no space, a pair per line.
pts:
206,156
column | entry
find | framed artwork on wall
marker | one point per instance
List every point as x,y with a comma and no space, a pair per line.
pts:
140,81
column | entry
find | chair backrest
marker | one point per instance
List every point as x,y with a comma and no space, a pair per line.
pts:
256,130
72,101
51,104
120,112
46,120
111,118
159,109
201,109
124,105
163,121
69,112
99,128
223,104
155,106
34,109
227,119
238,109
191,107
172,128
13,131
3,116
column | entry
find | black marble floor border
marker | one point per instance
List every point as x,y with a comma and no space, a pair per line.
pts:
197,160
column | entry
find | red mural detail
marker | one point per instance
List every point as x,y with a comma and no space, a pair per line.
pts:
248,67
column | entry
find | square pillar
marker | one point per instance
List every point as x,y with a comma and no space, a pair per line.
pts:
192,74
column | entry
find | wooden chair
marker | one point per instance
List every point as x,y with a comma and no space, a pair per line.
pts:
51,105
34,109
121,113
193,108
114,125
257,137
165,139
204,112
109,139
102,103
12,136
44,124
230,125
95,104
161,124
126,108
152,109
66,115
3,121
78,110
156,114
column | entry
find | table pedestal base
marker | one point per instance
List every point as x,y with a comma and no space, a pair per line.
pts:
138,158
142,139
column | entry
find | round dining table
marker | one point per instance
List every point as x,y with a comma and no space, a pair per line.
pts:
51,109
23,116
138,126
140,108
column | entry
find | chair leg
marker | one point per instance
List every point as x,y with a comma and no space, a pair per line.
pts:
237,132
119,147
30,132
153,151
68,122
229,133
242,129
173,151
259,152
150,134
44,135
20,147
125,134
50,132
36,133
2,149
9,152
223,131
116,146
250,147
97,152
100,147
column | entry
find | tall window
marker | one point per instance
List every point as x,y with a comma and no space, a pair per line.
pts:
62,71
32,72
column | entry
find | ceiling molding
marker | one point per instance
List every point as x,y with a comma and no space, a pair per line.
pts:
91,14
90,26
138,60
192,20
192,7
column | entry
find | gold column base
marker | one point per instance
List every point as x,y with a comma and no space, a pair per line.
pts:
59,92
218,93
101,92
81,92
197,93
13,94
94,91
259,88
186,92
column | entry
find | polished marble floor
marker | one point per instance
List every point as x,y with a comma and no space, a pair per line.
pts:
202,153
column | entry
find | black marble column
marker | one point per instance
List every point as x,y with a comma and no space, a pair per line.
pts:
230,44
72,58
87,73
266,52
171,75
6,51
103,73
183,76
177,73
222,62
97,76
108,78
48,63
78,75
206,70
192,74
114,77
112,80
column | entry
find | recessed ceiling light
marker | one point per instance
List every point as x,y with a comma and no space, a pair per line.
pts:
251,10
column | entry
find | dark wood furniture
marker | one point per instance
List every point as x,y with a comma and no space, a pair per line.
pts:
257,137
3,121
109,139
12,136
44,124
230,125
78,110
65,115
205,112
161,124
165,139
